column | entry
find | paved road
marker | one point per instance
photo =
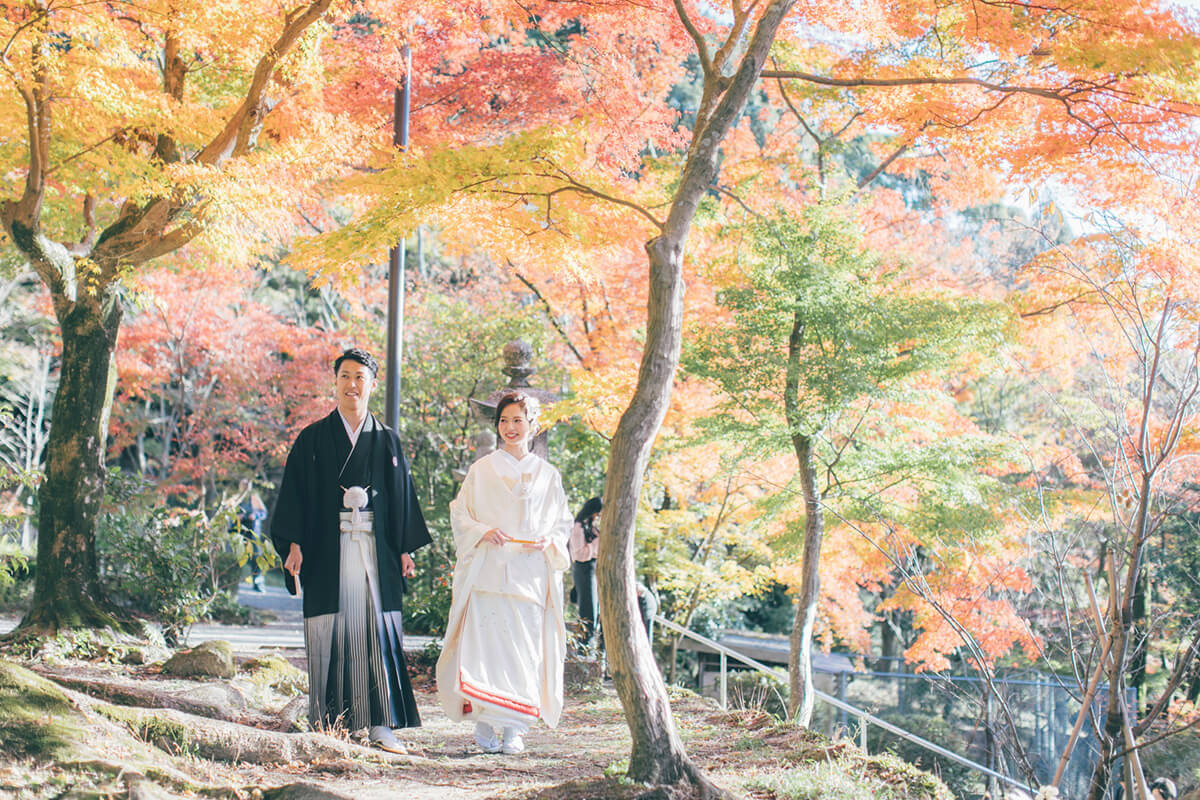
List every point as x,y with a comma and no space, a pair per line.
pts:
286,631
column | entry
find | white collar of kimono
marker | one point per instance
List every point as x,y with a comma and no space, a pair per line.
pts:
353,432
513,458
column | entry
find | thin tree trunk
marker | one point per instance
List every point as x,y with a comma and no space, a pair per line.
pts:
801,696
800,678
67,590
889,636
1121,630
657,755
1139,637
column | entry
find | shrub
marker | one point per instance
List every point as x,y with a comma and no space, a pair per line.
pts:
169,562
427,606
16,578
16,565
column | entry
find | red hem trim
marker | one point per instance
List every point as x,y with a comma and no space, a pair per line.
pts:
505,702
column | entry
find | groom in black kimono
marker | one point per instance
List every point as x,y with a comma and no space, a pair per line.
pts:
346,521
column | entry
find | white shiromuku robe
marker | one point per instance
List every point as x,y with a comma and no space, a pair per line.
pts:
502,660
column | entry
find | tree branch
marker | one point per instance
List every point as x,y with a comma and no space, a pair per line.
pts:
728,193
549,310
88,149
1177,676
174,73
706,63
27,210
1050,94
1050,309
740,18
140,231
85,245
1065,95
570,184
235,138
701,166
883,165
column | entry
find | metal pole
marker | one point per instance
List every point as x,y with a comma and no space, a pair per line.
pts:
396,265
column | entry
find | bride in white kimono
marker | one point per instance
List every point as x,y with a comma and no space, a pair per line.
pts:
502,660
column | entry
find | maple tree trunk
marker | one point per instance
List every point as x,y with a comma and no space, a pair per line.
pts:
800,677
801,695
67,590
657,755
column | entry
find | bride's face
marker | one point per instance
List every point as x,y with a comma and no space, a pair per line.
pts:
514,427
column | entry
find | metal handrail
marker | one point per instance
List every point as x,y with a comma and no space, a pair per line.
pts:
841,705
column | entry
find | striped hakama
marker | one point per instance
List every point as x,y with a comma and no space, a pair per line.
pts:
356,656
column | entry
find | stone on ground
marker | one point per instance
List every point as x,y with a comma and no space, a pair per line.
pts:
211,659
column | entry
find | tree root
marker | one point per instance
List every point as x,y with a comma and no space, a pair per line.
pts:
689,783
178,732
90,747
128,692
166,784
46,619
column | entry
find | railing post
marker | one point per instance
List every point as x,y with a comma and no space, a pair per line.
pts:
843,720
724,684
862,733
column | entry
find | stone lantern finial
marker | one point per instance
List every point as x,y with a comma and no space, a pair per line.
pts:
518,355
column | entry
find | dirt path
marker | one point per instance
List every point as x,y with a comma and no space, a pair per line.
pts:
590,739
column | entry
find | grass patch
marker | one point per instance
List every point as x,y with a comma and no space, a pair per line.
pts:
853,777
827,780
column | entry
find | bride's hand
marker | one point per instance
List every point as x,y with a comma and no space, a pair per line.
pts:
496,536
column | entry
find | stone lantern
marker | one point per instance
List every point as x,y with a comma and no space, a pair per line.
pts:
518,357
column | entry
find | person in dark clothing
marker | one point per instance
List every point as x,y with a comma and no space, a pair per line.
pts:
346,522
583,545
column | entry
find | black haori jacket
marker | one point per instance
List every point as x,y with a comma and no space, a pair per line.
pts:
319,469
